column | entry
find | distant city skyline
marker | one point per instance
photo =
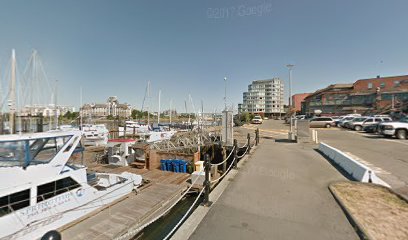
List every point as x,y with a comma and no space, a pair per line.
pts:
187,47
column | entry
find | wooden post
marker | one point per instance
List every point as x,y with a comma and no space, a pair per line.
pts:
207,167
249,142
224,155
235,153
124,130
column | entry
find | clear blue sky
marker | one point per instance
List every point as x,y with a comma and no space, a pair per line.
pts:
115,47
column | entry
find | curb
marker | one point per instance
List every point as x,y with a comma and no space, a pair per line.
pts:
190,225
356,225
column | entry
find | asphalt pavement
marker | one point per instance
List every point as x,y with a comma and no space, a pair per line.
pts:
281,192
387,157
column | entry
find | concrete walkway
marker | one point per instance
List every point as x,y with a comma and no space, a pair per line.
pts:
279,193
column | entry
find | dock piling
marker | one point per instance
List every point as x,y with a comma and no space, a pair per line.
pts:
249,142
207,167
235,153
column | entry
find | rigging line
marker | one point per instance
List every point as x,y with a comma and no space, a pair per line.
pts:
232,163
246,144
184,217
217,164
246,150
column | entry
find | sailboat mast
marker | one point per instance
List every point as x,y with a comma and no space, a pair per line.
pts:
55,105
148,103
158,113
80,108
171,101
12,99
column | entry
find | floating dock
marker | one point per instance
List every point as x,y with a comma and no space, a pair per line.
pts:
123,218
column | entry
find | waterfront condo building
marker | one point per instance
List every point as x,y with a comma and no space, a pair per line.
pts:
264,97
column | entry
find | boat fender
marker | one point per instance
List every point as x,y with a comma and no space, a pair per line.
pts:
52,235
137,179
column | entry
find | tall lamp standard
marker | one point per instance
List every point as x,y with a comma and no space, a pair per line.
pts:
290,67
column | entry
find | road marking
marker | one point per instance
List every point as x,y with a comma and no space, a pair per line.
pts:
368,164
396,141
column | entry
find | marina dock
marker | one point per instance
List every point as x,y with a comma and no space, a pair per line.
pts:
123,218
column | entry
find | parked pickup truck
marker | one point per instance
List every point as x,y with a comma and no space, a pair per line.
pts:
397,129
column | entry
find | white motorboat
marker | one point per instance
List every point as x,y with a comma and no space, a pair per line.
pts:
92,134
133,127
41,191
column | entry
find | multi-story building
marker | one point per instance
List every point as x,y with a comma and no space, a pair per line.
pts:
112,107
365,96
45,110
264,97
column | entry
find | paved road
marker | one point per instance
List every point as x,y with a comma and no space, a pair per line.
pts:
387,157
280,193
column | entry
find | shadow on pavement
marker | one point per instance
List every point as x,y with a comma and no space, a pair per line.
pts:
284,140
336,166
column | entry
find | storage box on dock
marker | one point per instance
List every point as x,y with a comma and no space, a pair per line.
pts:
199,166
199,177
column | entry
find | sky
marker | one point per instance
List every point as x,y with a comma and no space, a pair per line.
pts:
113,48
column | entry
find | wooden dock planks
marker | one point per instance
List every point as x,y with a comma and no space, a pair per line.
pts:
127,214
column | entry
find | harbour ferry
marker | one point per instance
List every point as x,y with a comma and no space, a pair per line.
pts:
42,188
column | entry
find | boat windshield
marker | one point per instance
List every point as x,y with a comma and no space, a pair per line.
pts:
30,151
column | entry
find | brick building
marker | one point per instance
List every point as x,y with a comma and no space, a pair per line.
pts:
297,100
365,96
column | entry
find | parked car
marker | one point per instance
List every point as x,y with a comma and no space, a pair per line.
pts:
357,123
344,121
397,129
371,121
326,122
257,120
372,128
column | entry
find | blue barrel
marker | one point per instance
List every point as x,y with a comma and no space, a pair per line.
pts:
176,166
169,165
183,166
163,165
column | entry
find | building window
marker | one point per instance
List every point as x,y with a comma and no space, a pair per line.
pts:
396,83
370,85
382,85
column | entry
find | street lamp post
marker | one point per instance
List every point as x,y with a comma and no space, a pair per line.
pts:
290,67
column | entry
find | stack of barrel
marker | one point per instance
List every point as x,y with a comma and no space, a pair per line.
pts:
176,165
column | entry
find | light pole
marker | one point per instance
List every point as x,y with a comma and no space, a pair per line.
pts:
290,67
225,93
